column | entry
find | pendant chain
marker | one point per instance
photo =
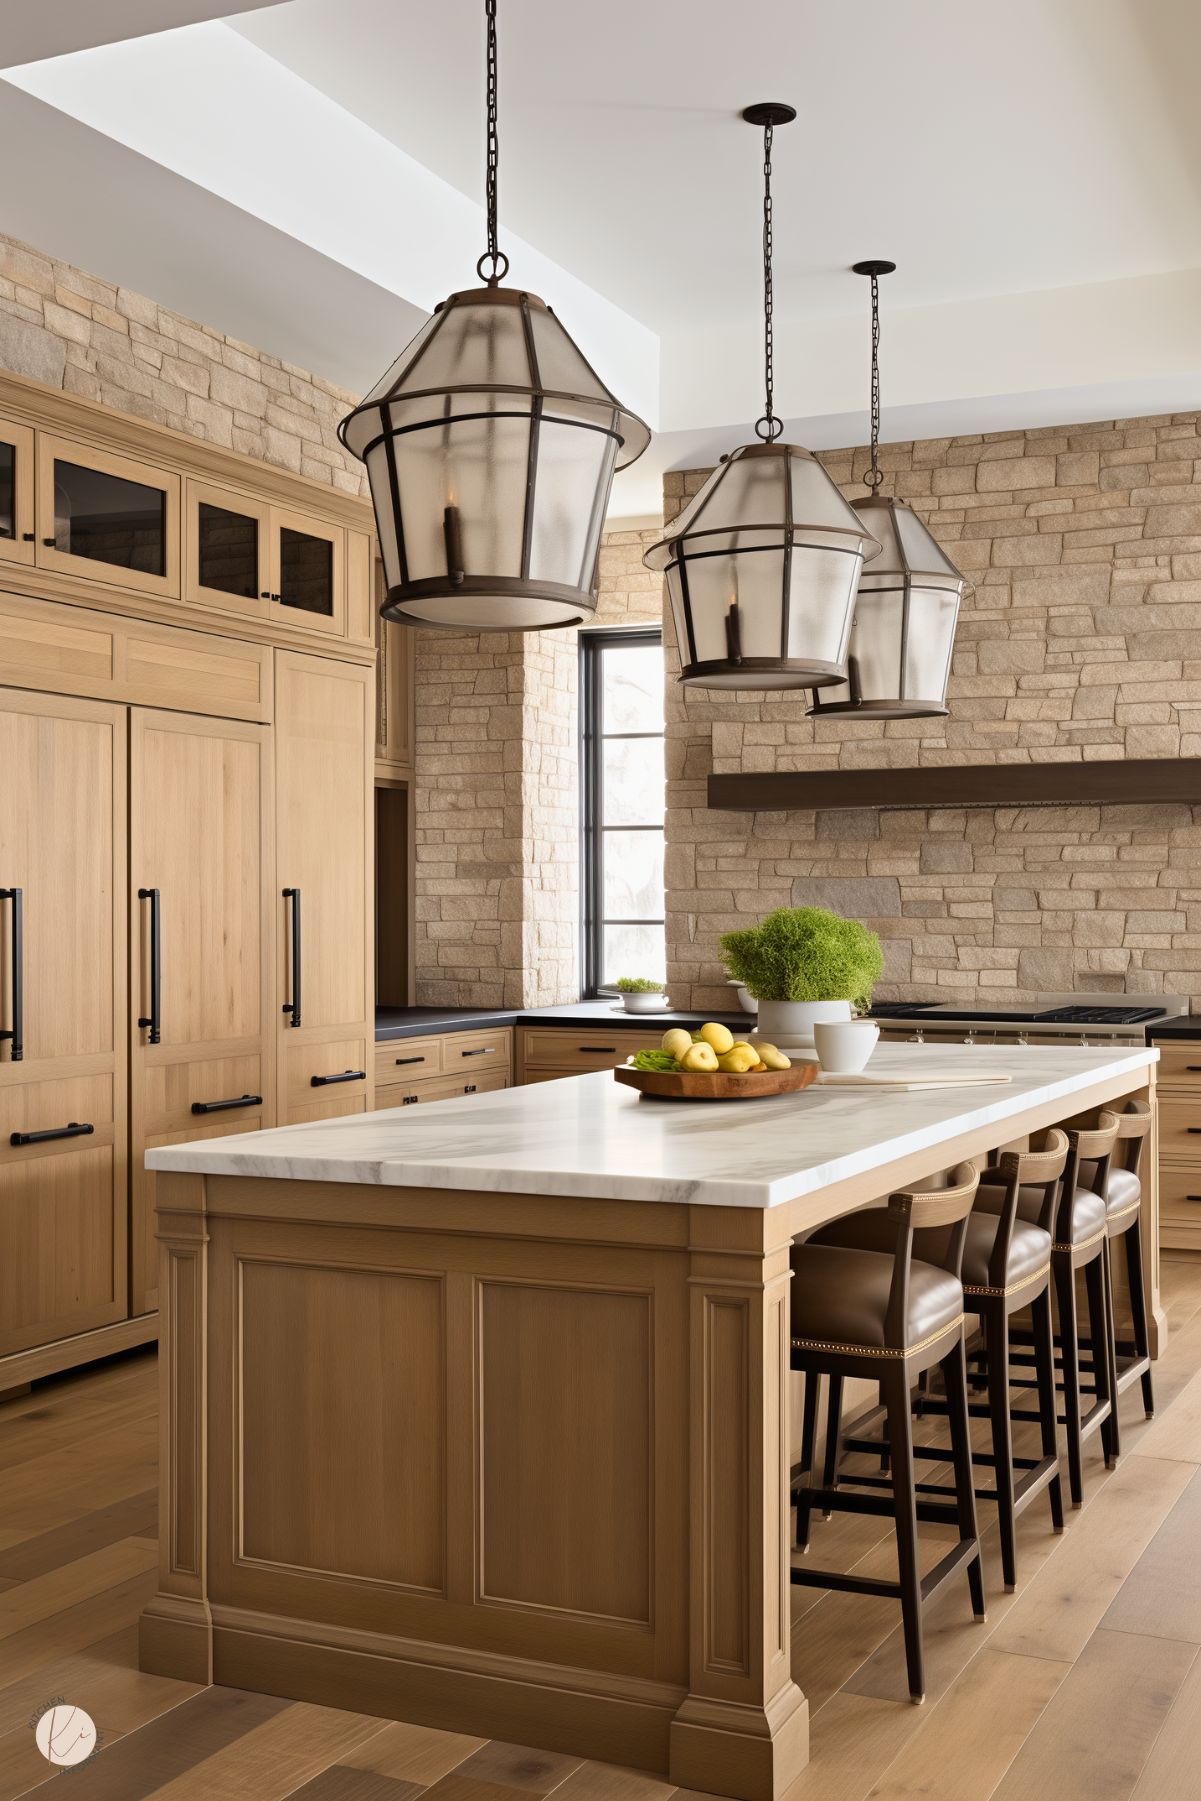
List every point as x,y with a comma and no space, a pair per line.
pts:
768,427
493,266
874,477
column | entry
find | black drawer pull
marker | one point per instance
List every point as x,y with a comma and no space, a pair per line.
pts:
597,1050
469,1088
74,1130
346,1075
1193,1129
409,1100
238,1100
293,1006
485,1050
401,1060
1193,1197
154,1020
16,1033
1193,1069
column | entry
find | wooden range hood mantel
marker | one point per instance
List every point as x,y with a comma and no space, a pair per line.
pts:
1118,781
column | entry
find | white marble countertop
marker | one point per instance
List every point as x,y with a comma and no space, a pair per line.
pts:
591,1137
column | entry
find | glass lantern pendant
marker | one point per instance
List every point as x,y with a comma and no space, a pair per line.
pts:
763,565
490,447
907,607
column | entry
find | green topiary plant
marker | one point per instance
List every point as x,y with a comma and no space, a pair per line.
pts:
805,954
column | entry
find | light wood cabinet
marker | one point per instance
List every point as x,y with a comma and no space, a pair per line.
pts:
200,924
107,518
17,535
548,1052
145,839
323,831
242,555
394,691
1179,1084
63,1008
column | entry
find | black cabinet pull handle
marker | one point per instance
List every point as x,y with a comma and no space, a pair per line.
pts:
409,1100
264,595
485,1050
1193,1129
74,1130
293,1006
599,1050
154,1021
28,537
401,1060
1193,1069
347,1075
50,543
238,1100
469,1088
1193,1197
16,1032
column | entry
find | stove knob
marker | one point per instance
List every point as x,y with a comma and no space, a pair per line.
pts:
970,1039
1022,1038
917,1037
1084,1039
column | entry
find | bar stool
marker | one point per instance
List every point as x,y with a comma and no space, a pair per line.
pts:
1006,1268
1079,1240
887,1317
1129,1362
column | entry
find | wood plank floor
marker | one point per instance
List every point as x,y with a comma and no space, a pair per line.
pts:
1085,1685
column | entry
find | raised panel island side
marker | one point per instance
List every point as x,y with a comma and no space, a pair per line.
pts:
476,1414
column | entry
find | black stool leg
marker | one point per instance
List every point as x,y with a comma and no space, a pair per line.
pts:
900,1436
1133,1244
804,1503
884,1455
1065,1299
1002,1442
954,1370
1100,1339
1044,1364
833,1434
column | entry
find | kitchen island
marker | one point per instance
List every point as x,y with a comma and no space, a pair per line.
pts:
476,1414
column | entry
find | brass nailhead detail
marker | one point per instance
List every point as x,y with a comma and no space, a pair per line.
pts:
1084,1242
1013,1286
861,1350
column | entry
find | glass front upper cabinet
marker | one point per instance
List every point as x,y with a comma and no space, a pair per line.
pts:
107,517
243,557
17,535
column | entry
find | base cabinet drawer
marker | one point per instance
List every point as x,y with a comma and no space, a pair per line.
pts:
1180,1127
562,1051
1179,1065
407,1059
1180,1206
468,1054
441,1088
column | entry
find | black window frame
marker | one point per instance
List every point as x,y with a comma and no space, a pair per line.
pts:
593,645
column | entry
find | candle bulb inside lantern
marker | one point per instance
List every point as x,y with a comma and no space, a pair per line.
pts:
733,632
453,538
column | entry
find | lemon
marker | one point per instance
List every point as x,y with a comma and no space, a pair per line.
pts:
720,1037
698,1058
773,1058
738,1060
676,1042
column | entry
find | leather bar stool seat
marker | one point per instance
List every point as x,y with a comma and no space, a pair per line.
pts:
1125,1193
1028,1257
841,1299
1088,1213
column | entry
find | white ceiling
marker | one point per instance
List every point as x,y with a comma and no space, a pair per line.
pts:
314,169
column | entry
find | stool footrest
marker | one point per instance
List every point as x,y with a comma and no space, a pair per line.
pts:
847,1500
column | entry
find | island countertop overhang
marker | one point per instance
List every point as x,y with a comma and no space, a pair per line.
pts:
587,1137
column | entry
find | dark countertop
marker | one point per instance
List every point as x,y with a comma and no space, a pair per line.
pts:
1184,1025
411,1022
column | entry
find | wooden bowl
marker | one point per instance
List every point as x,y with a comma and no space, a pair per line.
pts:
715,1085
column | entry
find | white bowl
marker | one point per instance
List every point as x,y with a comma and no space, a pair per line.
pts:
845,1045
645,1003
746,1001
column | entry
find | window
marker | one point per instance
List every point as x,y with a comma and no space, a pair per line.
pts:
621,763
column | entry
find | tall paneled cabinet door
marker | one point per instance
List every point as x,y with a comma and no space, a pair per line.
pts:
200,925
62,1018
324,745
18,539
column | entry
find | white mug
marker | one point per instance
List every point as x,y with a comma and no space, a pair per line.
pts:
844,1045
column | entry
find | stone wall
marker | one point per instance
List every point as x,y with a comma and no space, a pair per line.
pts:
109,344
498,890
1082,639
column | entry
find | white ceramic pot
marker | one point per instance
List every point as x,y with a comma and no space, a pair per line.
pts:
645,1003
792,1020
746,1001
845,1045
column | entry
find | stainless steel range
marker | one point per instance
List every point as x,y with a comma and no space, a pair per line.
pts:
1055,1019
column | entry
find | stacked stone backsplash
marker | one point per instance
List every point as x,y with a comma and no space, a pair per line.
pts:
105,343
1081,639
498,836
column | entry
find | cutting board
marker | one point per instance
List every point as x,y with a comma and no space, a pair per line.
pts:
933,1079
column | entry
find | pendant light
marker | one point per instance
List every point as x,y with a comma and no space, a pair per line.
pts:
908,602
762,566
490,447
